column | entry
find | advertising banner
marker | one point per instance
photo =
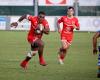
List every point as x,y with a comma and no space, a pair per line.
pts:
87,23
2,23
69,2
55,2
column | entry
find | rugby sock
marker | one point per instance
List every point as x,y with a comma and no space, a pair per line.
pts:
62,56
27,59
24,62
30,55
40,53
41,60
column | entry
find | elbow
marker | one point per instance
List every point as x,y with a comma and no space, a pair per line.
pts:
78,28
46,31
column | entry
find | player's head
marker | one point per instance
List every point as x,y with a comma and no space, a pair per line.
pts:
70,11
41,15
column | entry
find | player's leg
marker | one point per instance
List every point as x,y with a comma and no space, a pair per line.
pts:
63,51
65,47
40,52
34,50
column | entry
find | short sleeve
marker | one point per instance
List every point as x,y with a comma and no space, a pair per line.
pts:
46,24
60,20
29,17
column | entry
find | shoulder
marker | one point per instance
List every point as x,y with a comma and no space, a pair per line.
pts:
76,18
31,17
64,17
45,21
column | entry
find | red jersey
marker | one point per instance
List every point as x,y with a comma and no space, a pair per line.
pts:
67,30
67,24
32,36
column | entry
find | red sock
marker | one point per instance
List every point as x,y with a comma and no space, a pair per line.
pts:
24,62
41,58
62,56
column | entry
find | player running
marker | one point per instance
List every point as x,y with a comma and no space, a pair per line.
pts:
39,25
70,22
95,37
94,44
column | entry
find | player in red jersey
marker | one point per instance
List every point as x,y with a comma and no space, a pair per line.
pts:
70,22
39,25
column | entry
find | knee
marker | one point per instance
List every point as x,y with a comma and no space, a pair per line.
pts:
63,50
34,45
41,43
65,47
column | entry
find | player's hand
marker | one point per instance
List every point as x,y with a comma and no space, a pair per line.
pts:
46,30
14,24
41,27
73,24
94,51
38,30
59,31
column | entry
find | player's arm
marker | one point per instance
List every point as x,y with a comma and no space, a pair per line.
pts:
15,24
95,37
75,27
58,24
76,24
46,29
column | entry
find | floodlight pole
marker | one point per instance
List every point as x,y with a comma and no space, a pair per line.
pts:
35,4
76,6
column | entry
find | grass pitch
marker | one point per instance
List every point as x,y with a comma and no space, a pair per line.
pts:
80,64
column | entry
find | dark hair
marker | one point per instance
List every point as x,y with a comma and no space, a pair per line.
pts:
70,8
42,12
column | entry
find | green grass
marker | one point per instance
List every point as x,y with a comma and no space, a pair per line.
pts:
80,64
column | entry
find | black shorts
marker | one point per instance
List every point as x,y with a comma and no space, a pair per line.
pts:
34,46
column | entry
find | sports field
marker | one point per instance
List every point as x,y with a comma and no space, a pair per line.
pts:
80,64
